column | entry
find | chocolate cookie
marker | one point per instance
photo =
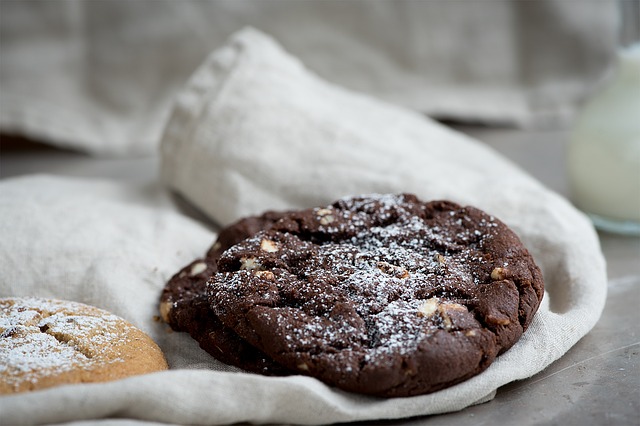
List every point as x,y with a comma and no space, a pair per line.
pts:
383,295
185,306
45,343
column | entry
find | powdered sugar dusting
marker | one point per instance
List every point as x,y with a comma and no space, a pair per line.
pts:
40,338
30,353
368,269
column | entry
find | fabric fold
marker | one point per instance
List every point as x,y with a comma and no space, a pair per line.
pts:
99,77
255,130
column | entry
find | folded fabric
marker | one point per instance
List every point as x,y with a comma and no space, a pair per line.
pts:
114,246
254,130
100,76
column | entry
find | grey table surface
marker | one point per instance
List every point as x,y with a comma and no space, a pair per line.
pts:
596,383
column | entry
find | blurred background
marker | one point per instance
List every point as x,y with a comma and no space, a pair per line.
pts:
99,76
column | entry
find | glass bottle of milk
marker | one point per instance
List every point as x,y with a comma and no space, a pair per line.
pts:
604,151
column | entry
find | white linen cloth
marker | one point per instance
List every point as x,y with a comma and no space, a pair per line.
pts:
99,76
255,130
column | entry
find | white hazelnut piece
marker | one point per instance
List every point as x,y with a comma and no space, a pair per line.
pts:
265,274
498,274
165,309
268,246
326,220
250,264
446,320
197,268
428,307
325,216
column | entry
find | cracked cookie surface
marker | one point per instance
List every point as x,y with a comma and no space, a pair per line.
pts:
384,295
184,304
44,343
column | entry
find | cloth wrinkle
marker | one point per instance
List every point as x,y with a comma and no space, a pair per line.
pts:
134,239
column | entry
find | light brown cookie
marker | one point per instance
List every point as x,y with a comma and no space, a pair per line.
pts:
45,343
